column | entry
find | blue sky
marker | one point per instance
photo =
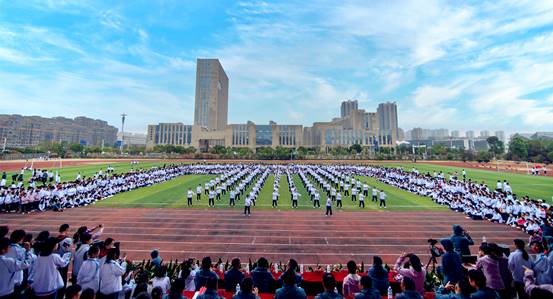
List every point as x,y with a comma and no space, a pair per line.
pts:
460,65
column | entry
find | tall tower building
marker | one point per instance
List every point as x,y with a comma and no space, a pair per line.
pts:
500,135
211,104
347,107
387,122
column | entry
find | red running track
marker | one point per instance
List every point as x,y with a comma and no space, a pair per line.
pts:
307,236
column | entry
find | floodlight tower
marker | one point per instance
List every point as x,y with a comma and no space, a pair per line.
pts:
122,131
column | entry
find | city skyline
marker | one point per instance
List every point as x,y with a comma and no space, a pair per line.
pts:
459,67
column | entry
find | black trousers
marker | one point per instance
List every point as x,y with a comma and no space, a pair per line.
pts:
211,202
294,203
328,210
382,202
375,199
339,204
247,209
275,203
354,197
190,201
198,196
316,203
362,203
231,202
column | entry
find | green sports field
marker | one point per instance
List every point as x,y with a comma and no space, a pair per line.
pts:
172,194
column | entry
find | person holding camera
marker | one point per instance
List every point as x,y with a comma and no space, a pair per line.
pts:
111,274
461,240
415,271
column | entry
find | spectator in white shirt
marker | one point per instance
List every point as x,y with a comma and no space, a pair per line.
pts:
80,254
46,277
17,252
161,280
110,275
89,274
8,268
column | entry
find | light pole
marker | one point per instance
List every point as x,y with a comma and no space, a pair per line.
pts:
122,131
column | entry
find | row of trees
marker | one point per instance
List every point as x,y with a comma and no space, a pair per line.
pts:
522,149
519,149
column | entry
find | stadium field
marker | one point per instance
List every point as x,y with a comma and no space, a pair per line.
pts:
172,194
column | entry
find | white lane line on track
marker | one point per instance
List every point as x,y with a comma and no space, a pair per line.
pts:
106,231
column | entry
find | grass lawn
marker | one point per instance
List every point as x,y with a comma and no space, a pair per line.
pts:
522,184
172,194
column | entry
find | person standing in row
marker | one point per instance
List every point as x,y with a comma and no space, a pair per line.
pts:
375,195
382,199
295,199
211,202
247,206
199,192
328,206
190,195
275,198
316,201
361,200
232,195
339,200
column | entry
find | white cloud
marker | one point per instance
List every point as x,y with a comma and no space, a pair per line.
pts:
427,95
17,57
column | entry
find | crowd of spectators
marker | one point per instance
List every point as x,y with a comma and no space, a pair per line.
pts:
82,265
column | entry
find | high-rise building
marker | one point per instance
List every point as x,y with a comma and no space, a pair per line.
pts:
455,134
484,134
211,103
469,134
500,135
439,133
347,107
387,122
417,134
26,131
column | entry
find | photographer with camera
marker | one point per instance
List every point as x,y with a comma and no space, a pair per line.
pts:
452,267
461,240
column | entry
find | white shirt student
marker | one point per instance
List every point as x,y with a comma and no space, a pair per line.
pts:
163,282
46,277
8,267
89,274
110,276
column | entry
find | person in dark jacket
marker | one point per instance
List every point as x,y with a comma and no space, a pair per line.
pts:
290,290
292,265
408,289
246,290
262,278
329,284
205,273
379,276
233,276
478,281
211,289
367,290
461,240
452,267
